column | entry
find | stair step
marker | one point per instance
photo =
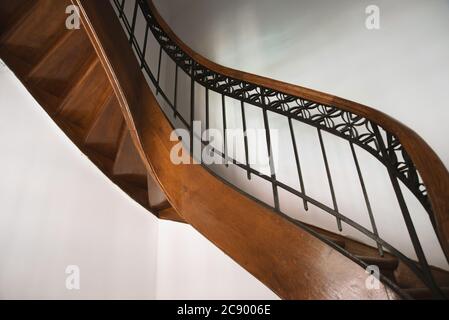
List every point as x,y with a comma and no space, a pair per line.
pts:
390,263
340,242
105,132
170,214
424,293
128,163
12,14
39,27
136,192
48,101
156,196
58,70
85,99
49,56
104,163
16,64
405,278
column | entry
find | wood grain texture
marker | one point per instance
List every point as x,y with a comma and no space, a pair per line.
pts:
290,261
31,37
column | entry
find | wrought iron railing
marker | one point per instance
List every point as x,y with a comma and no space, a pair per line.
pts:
355,129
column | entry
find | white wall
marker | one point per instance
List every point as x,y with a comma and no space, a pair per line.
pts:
190,266
401,69
57,209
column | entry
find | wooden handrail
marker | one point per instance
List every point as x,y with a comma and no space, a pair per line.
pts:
433,172
289,260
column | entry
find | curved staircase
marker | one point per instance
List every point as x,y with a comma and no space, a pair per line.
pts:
91,84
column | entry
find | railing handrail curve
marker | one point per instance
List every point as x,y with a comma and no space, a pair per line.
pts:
431,169
226,218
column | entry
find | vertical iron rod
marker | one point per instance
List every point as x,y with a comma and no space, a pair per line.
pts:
225,140
159,71
245,139
145,42
207,114
192,105
365,195
270,155
298,165
133,24
175,99
329,177
408,220
209,143
122,8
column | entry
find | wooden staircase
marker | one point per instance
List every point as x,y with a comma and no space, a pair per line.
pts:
66,74
62,71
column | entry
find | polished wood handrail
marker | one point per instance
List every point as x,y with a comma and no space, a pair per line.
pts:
434,174
289,260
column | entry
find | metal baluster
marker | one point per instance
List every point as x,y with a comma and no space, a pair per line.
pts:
225,141
298,165
192,105
329,177
207,112
270,154
436,291
245,140
159,71
145,42
133,24
122,8
209,143
365,195
175,99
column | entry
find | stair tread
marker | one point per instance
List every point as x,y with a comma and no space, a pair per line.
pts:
18,65
337,241
53,72
84,100
136,192
49,54
407,279
170,214
13,14
156,196
128,162
29,38
389,263
105,132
